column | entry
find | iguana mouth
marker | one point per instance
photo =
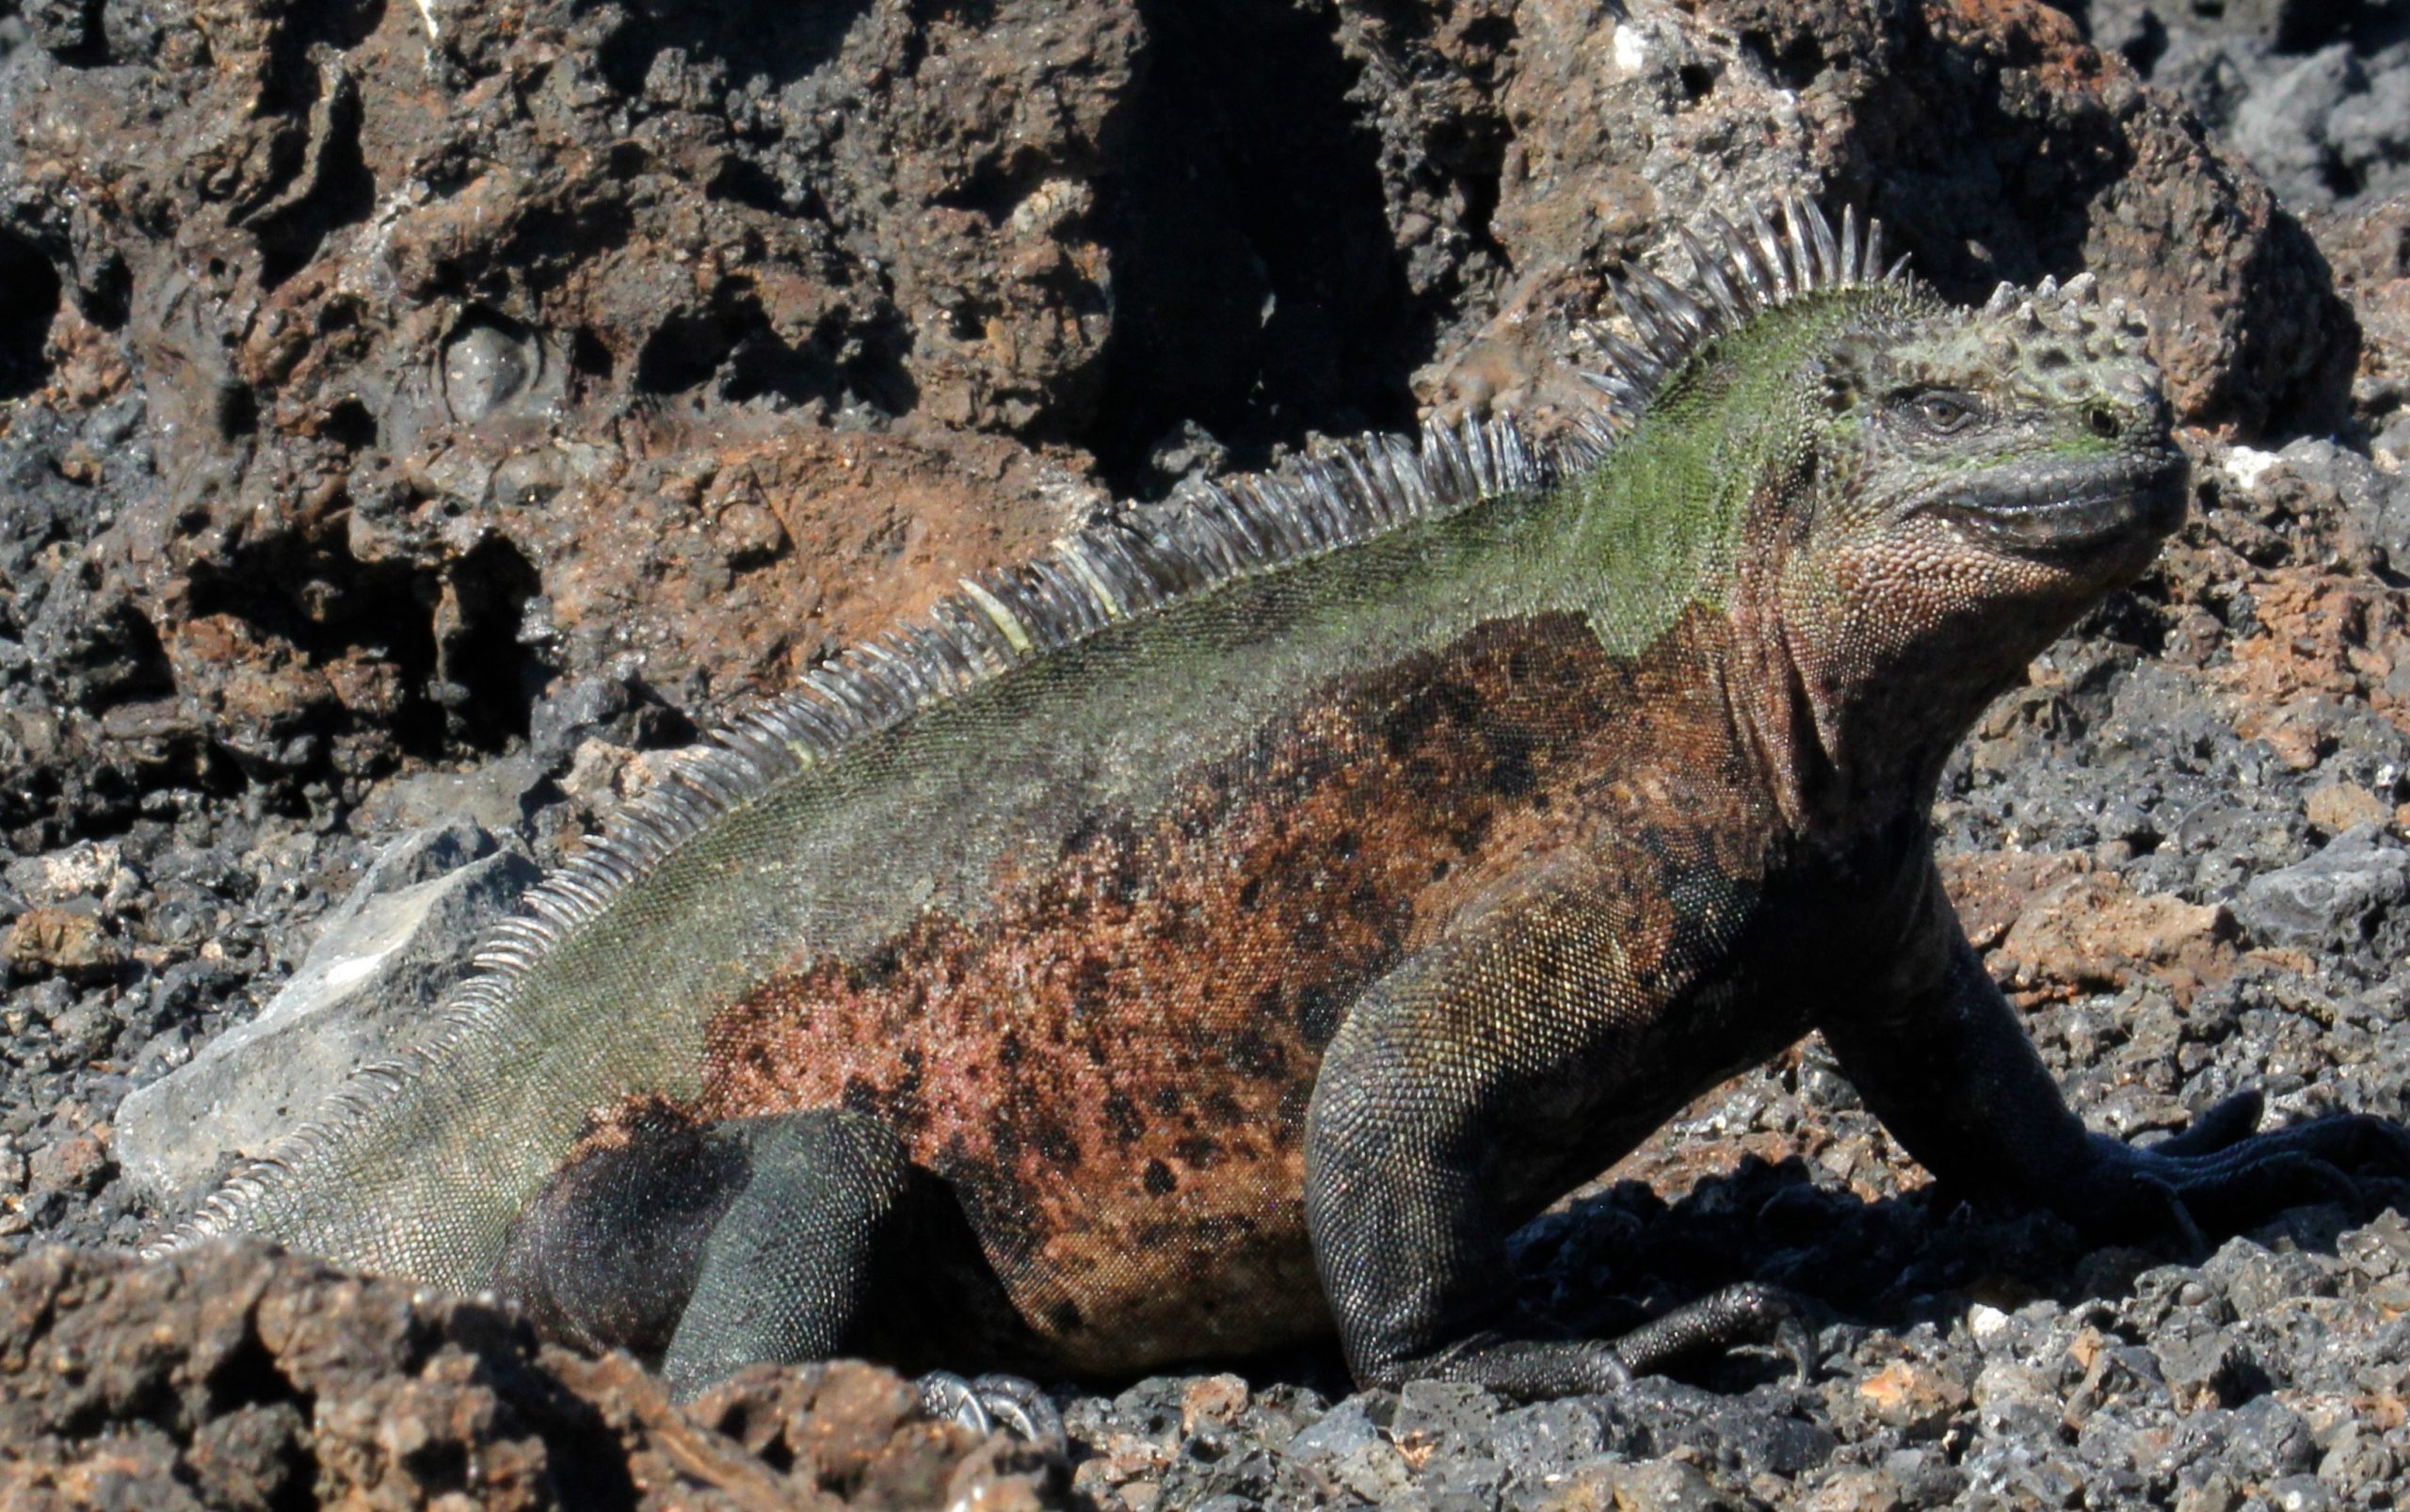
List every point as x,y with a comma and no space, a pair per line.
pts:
2072,510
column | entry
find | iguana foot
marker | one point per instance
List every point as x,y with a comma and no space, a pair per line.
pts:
993,1401
786,1269
2221,1175
1748,1313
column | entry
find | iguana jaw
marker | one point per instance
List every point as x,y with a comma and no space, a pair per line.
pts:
2078,510
1899,630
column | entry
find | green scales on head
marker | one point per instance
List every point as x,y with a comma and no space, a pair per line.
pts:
1231,925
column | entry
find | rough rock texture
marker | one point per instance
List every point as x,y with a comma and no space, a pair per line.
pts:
380,964
238,1377
2314,93
419,413
2370,248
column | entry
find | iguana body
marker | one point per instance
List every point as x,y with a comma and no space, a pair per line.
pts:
1239,920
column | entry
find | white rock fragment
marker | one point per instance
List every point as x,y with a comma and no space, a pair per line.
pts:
1631,49
2247,467
384,958
1986,1322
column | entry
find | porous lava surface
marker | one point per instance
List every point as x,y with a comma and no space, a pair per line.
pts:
416,409
234,1377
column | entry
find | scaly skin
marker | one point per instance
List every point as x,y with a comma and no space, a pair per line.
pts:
1178,968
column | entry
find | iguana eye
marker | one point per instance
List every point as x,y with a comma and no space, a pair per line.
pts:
1943,412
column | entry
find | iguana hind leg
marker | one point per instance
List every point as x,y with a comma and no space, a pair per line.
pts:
787,1269
709,1248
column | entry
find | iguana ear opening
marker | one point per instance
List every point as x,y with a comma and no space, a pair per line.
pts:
1837,387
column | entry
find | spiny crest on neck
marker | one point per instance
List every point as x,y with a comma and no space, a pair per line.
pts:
1739,273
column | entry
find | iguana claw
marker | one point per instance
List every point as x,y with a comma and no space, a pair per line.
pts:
994,1401
2220,1175
1750,1312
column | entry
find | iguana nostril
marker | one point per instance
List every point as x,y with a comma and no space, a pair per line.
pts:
2103,422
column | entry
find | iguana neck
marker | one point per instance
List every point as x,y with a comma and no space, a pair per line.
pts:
1839,766
1711,501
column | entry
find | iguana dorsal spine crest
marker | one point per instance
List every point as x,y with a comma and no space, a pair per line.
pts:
1125,566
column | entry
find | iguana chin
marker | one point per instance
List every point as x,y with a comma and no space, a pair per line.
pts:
1233,923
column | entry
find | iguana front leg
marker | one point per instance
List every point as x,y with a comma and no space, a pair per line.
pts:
1469,1087
1939,1056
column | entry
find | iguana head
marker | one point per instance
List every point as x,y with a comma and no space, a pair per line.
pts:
1980,478
1915,498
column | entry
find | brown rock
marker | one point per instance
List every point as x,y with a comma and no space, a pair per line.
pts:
2052,927
1912,1397
69,942
2325,641
857,1432
2336,807
76,1164
2370,254
1858,1491
1991,889
1212,1399
238,1376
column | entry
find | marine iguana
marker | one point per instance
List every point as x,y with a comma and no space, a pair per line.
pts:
1231,925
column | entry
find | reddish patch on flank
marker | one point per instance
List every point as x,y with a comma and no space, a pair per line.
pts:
1111,1063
